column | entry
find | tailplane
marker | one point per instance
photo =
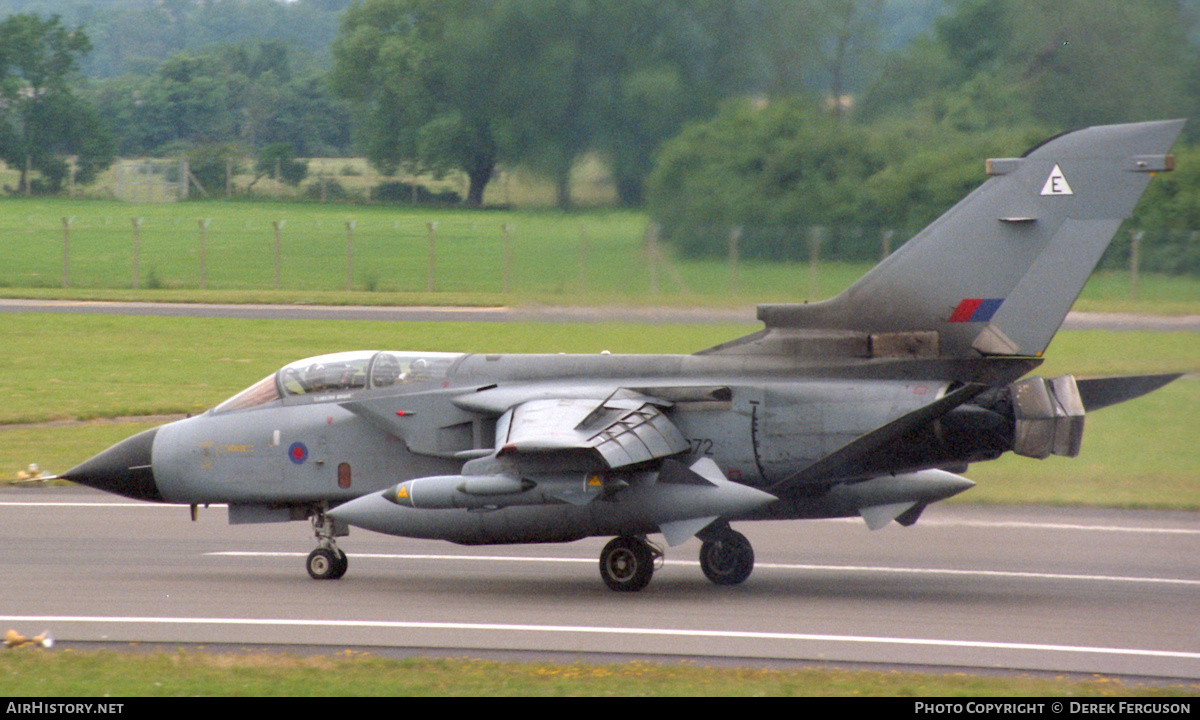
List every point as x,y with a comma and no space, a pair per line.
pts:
996,275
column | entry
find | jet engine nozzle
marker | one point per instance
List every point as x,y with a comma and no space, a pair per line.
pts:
1049,417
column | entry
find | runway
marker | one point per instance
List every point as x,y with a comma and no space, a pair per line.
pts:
383,313
1031,589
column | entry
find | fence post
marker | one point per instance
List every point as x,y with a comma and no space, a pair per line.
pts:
350,254
816,237
652,251
1135,261
506,273
204,252
66,221
583,256
137,251
278,226
735,238
429,277
885,243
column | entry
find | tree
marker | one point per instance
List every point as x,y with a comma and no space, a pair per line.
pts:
424,105
42,121
1061,64
783,165
228,94
279,159
617,78
850,27
466,83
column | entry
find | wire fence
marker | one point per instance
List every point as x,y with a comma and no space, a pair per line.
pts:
256,252
618,255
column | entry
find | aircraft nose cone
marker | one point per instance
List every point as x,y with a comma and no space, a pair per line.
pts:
123,469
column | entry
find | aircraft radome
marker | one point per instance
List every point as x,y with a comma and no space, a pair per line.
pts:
866,404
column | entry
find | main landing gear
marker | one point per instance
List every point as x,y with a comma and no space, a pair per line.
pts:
327,562
627,563
726,557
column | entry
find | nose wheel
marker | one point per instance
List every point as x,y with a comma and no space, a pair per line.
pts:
327,562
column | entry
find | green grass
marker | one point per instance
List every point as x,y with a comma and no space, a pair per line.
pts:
1112,291
1139,454
66,367
390,247
41,675
83,367
585,258
88,366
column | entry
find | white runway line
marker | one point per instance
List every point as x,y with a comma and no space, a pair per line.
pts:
757,566
590,629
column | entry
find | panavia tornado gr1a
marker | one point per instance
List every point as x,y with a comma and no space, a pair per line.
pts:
867,405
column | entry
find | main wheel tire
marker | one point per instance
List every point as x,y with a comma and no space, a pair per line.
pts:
343,564
727,559
324,564
626,564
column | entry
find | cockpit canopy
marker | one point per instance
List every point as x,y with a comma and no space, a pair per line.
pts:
342,372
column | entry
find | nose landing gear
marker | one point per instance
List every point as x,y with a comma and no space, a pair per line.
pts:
327,562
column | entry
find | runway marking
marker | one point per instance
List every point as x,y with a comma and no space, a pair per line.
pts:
91,505
926,523
757,566
600,630
1020,524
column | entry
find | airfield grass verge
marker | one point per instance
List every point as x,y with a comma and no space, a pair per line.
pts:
478,257
108,673
67,368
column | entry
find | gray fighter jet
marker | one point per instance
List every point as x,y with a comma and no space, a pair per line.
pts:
867,404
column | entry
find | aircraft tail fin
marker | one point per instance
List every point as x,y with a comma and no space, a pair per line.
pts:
998,272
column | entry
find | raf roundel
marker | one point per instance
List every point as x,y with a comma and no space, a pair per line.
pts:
298,453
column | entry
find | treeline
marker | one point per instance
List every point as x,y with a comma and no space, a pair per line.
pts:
132,37
991,79
859,117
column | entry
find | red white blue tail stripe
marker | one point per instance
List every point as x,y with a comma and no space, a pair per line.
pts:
975,310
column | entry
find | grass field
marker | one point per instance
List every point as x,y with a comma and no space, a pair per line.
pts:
87,367
56,370
70,367
586,258
190,674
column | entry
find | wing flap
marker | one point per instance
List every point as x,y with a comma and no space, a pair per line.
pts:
623,431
